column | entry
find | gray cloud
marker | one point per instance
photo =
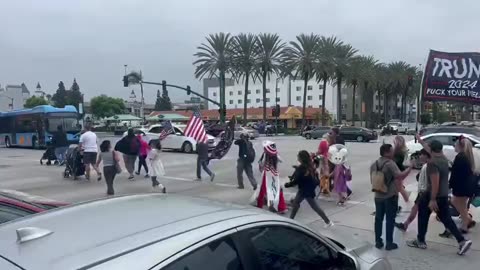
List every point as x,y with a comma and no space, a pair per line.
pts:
91,40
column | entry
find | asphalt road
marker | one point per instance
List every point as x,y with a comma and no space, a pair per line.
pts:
20,170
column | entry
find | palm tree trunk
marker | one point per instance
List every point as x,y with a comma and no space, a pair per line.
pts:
365,114
379,111
222,95
353,103
385,109
339,99
323,100
264,84
305,83
245,99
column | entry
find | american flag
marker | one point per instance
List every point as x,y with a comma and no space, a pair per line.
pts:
195,128
167,130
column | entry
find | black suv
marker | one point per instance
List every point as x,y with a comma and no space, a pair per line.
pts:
358,134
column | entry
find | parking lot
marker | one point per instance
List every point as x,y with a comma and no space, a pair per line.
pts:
21,171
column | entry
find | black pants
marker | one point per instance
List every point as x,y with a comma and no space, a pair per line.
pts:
385,209
311,201
243,165
443,214
109,172
142,161
202,163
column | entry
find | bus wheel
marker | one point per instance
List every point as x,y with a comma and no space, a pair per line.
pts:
34,143
7,142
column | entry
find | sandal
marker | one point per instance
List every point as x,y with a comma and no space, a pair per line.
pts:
416,244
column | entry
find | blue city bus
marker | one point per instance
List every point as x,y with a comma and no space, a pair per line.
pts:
34,127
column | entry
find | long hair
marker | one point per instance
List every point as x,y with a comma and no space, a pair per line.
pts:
399,144
105,146
306,161
466,148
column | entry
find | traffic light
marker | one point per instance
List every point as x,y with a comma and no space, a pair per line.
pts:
125,81
277,110
188,90
410,80
164,85
274,111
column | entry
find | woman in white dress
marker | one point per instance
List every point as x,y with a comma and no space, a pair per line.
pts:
157,168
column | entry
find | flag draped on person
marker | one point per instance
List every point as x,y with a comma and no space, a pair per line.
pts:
167,130
195,128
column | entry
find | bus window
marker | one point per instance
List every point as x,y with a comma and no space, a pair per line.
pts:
25,124
6,124
68,124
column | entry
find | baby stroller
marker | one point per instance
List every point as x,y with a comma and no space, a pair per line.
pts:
49,155
74,165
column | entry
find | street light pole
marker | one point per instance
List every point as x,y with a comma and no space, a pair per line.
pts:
276,103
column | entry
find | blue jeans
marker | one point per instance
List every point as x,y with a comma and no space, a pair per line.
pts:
385,208
60,153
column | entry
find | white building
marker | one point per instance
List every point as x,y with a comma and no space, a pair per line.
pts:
284,93
13,97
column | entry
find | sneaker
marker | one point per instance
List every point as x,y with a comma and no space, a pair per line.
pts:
131,178
212,177
391,246
379,245
137,173
329,225
164,189
147,175
464,247
401,226
416,244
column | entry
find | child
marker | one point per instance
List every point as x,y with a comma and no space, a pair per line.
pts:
341,174
142,155
157,166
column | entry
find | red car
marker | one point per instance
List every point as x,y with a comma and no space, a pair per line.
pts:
15,204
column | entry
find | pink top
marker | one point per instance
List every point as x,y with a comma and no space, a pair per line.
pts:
144,147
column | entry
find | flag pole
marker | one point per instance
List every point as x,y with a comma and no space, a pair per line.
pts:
419,99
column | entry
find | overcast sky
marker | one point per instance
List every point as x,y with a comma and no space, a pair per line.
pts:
51,40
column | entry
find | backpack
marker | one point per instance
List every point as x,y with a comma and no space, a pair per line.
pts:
250,152
377,179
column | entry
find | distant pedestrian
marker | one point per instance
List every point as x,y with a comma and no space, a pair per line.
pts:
386,203
202,161
129,146
337,139
110,160
157,167
246,156
435,199
60,143
88,144
142,155
305,178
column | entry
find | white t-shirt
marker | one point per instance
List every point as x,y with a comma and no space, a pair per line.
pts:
89,142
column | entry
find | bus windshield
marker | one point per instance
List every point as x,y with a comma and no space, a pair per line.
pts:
70,124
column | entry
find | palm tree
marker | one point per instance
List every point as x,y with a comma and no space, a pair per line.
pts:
325,68
381,80
302,59
245,58
353,76
399,72
215,59
342,58
367,78
270,49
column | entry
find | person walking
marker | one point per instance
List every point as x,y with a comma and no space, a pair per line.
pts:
129,146
462,180
157,167
386,203
110,160
399,153
324,166
435,199
246,156
88,144
202,161
60,143
337,139
142,155
305,178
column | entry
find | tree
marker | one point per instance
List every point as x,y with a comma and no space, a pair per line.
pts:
215,59
325,67
60,97
367,79
270,52
105,106
353,75
245,58
74,96
342,57
302,58
163,101
398,76
34,101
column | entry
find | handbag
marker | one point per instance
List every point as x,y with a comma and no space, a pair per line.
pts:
377,179
118,169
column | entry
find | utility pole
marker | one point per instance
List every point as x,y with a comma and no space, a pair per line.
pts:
277,112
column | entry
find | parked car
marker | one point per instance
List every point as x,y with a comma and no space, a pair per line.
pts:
316,133
358,134
15,204
450,129
189,233
252,133
447,139
177,141
399,127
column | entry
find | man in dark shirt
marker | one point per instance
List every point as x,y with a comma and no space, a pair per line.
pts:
60,143
243,162
202,161
435,199
386,203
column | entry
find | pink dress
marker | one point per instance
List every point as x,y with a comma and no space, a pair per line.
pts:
340,179
144,147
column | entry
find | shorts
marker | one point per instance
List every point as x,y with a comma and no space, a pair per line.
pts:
89,158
